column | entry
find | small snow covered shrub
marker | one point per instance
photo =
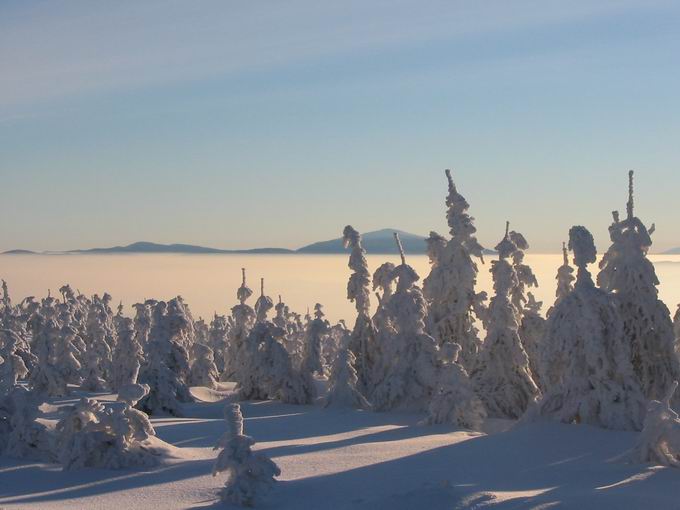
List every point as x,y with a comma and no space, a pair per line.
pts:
92,436
203,369
12,366
659,441
343,390
454,401
21,435
249,473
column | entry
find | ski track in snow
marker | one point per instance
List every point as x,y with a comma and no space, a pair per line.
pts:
337,459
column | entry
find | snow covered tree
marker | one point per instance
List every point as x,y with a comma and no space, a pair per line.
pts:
99,335
565,279
647,325
12,367
46,378
383,280
531,332
411,374
588,376
203,369
127,356
249,473
243,319
659,441
218,341
450,287
142,322
267,370
166,362
525,276
90,435
317,329
454,400
343,390
363,335
22,436
502,377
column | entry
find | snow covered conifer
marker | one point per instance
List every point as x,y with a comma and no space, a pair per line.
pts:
317,329
411,370
502,377
363,335
659,441
450,288
243,320
203,369
22,436
89,435
249,473
531,332
587,374
525,276
647,325
565,279
454,400
343,390
12,366
218,341
127,356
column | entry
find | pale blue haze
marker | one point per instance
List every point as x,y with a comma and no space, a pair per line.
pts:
249,124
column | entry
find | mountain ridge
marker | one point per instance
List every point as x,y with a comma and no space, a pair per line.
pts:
374,242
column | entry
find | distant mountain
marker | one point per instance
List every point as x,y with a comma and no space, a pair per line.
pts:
147,247
672,251
19,252
379,241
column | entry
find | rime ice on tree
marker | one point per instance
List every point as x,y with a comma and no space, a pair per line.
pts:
127,356
316,330
249,473
502,377
411,366
531,331
565,279
454,401
203,369
647,325
343,390
587,375
450,287
659,441
363,335
12,366
243,318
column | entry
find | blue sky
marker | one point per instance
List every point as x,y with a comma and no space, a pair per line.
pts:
244,124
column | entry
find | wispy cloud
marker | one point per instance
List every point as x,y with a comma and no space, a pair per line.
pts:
59,49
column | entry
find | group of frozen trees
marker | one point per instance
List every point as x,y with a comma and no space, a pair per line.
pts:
605,348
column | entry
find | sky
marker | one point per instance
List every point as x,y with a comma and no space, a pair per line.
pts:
252,124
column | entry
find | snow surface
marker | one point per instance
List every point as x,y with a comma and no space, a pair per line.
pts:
337,459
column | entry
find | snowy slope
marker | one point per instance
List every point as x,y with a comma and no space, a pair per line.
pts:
363,460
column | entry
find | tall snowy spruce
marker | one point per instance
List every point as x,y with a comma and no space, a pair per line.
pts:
587,373
411,375
243,319
363,335
450,287
502,376
531,331
249,474
565,279
647,325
